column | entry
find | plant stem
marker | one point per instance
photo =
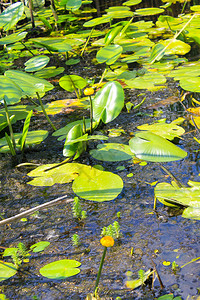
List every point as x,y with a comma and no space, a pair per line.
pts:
89,37
100,269
44,111
102,77
9,124
180,185
27,48
91,115
75,89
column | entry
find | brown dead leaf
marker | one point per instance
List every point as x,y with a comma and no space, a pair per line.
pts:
168,101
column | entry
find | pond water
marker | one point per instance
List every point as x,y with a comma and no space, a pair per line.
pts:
147,237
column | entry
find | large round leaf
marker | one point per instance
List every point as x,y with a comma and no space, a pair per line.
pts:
97,21
148,81
7,270
112,152
109,54
191,84
36,63
9,91
61,269
108,102
13,38
11,15
176,47
29,84
97,185
151,147
71,4
68,82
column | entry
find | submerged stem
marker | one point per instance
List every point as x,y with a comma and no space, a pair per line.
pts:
180,185
9,124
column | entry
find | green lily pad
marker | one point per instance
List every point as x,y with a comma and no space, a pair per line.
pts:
109,54
9,91
72,61
13,38
151,147
89,183
191,84
11,15
97,21
76,148
132,2
53,44
68,82
7,270
60,269
49,72
149,11
172,195
148,81
32,138
36,63
40,246
112,152
29,84
97,185
19,112
167,131
176,47
71,4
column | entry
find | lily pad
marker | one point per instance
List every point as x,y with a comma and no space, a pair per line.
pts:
36,63
49,72
68,82
97,21
167,131
7,270
132,2
61,269
152,147
109,54
176,47
97,185
112,152
11,15
9,91
53,44
149,11
71,4
191,84
148,81
89,183
13,38
40,246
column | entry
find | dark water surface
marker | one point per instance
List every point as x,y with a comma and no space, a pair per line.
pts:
145,235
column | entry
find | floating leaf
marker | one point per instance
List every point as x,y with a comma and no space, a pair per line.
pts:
72,61
97,185
157,52
167,131
97,21
148,81
18,112
151,147
112,152
49,72
68,82
191,213
60,269
58,106
9,91
132,2
36,63
29,84
108,102
109,54
71,4
135,283
191,84
40,246
175,47
149,11
53,44
13,38
11,15
7,270
89,183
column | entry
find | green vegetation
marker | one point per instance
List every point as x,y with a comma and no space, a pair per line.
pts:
125,50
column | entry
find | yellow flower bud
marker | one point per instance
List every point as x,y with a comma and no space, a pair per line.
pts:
107,241
88,91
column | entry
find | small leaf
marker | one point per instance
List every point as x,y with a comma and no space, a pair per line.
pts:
40,246
109,54
68,82
149,11
112,152
36,63
60,269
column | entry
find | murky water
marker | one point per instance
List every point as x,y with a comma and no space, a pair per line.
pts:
147,237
